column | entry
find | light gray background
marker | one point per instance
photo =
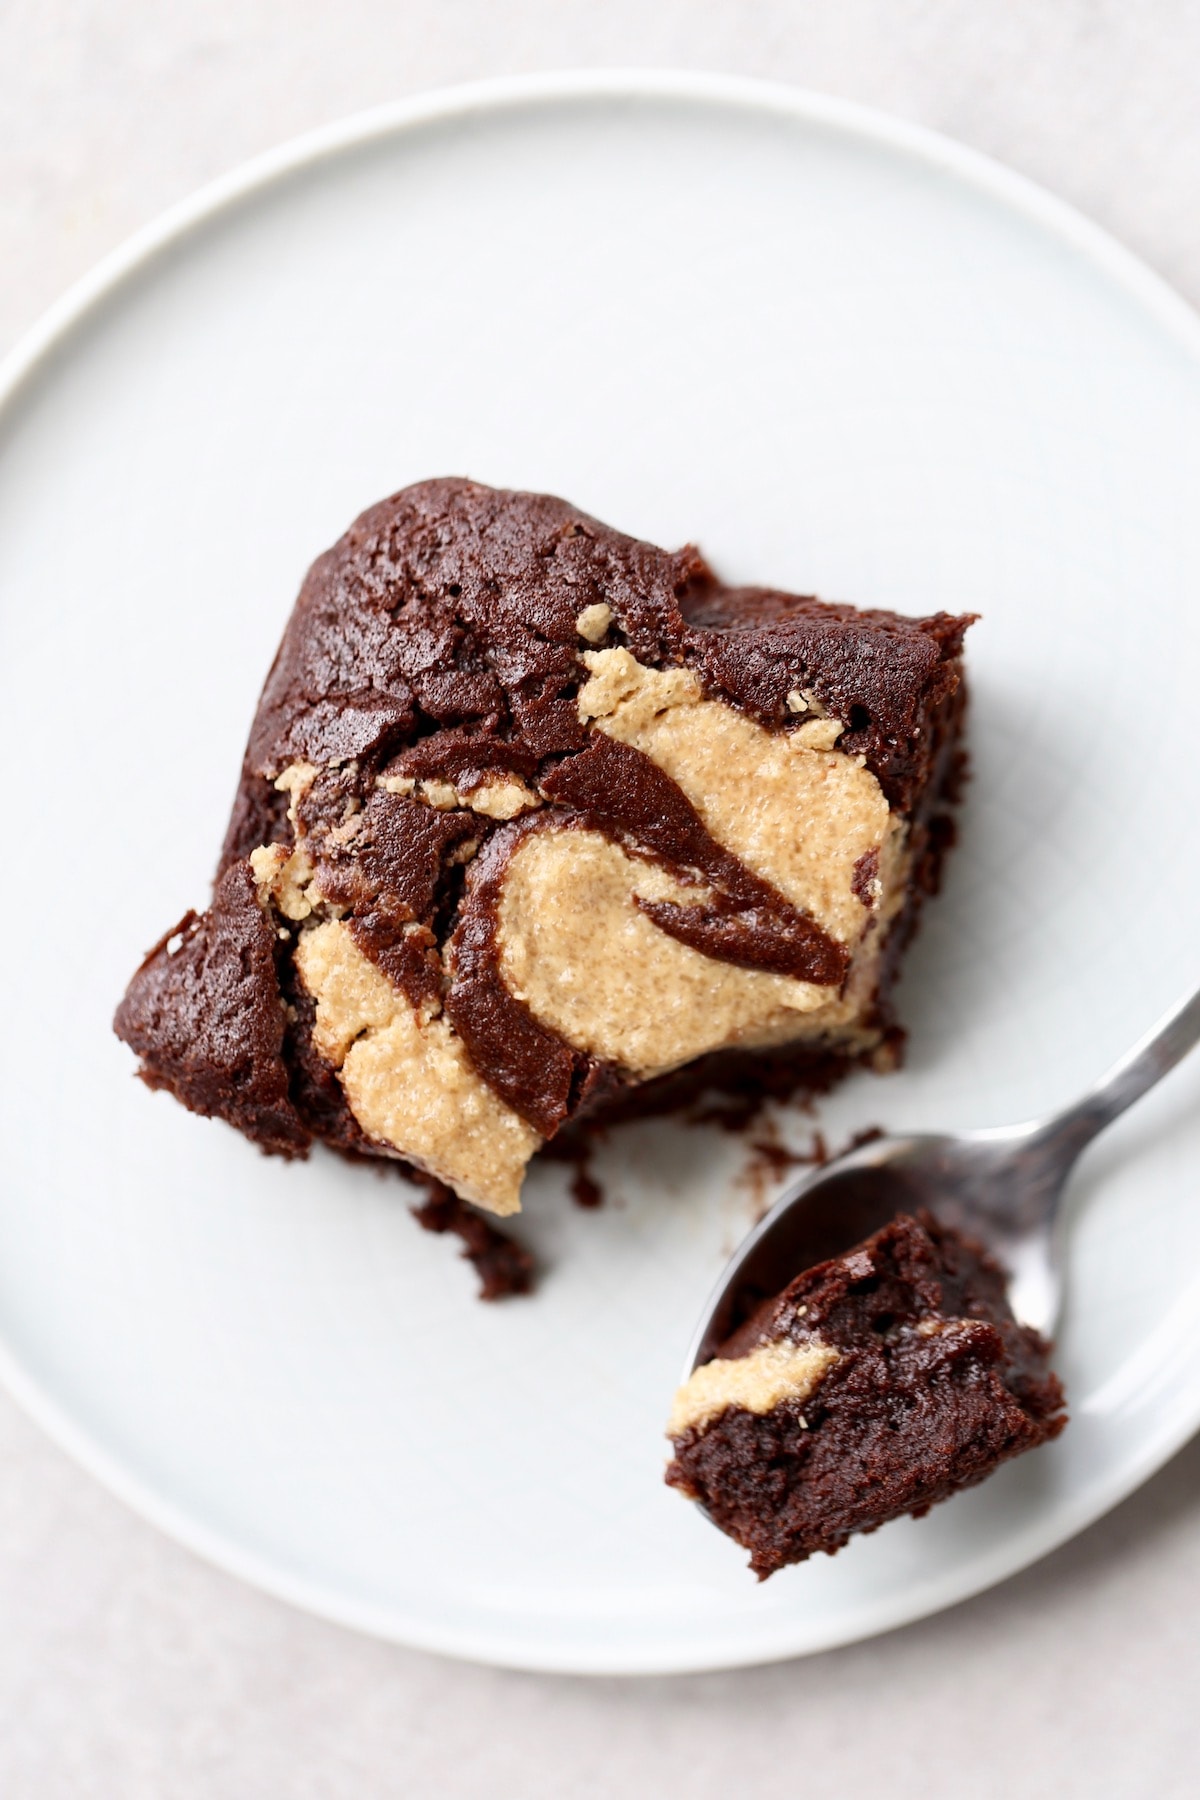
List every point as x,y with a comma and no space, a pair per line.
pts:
128,1669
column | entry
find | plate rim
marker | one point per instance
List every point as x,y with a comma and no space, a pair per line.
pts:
785,1638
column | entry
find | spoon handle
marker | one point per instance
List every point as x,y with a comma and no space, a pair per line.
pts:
1149,1060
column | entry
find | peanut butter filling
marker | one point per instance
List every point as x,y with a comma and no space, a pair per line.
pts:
407,1077
594,621
576,949
581,955
282,876
797,811
495,797
757,1383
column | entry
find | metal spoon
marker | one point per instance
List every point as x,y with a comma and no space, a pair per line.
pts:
1003,1186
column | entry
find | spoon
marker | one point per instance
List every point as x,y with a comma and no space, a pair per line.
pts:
1003,1186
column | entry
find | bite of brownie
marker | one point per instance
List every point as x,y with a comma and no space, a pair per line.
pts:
876,1384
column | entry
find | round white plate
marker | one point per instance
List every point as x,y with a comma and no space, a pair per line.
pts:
843,356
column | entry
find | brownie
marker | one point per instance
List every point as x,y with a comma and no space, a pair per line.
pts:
875,1384
539,825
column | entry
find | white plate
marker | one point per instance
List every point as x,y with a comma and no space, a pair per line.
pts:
841,354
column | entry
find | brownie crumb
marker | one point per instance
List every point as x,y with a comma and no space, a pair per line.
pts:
585,1189
769,1159
868,1135
777,1158
504,1267
577,1146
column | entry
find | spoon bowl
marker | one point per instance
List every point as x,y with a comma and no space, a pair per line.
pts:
1003,1187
